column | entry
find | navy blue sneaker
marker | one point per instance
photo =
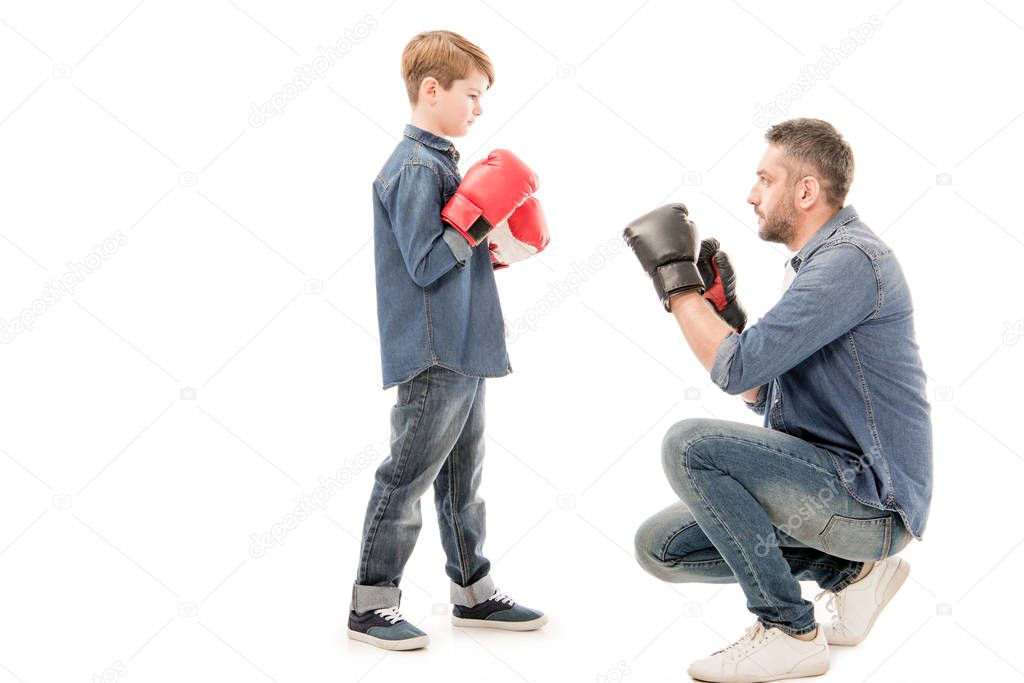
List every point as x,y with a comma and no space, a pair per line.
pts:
386,629
498,611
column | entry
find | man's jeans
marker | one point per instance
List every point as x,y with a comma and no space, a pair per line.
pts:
437,436
764,509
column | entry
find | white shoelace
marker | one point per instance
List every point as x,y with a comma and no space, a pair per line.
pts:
834,606
754,636
390,614
502,597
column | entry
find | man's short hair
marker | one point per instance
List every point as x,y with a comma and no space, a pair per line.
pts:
816,144
446,56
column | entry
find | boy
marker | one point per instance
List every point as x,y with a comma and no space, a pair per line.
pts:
442,333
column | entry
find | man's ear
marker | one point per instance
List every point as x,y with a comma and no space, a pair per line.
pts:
808,192
428,89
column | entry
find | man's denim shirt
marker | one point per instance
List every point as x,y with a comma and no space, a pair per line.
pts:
437,302
838,366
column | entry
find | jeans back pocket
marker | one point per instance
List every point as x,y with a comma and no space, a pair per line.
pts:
852,538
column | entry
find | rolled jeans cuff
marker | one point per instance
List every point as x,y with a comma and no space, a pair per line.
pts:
473,594
368,598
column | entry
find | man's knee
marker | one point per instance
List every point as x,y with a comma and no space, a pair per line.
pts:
681,442
647,549
648,543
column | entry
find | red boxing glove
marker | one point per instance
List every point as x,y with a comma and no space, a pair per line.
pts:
524,234
491,190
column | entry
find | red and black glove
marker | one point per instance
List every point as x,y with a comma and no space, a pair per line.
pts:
720,284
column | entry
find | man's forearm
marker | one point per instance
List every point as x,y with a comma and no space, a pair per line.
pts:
751,396
703,330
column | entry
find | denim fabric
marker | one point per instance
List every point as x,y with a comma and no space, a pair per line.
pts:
437,438
437,302
839,367
764,509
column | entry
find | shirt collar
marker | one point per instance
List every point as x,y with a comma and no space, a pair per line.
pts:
842,217
430,140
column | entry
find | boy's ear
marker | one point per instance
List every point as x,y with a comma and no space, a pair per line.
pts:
428,87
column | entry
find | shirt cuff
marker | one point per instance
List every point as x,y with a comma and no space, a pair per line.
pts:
723,361
458,244
758,406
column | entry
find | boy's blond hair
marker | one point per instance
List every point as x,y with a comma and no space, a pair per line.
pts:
446,56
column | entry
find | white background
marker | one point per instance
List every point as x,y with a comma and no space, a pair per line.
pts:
129,502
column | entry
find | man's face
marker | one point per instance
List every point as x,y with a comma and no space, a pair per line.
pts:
459,106
773,198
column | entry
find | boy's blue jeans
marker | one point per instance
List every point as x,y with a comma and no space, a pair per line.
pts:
765,509
437,437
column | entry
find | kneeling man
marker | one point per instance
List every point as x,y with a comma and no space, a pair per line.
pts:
839,478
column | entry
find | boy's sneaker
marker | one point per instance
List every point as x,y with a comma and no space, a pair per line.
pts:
498,611
856,607
387,629
764,654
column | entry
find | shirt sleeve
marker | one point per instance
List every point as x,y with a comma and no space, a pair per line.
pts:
457,243
414,205
834,291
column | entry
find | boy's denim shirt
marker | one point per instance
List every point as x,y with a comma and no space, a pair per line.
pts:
838,366
437,302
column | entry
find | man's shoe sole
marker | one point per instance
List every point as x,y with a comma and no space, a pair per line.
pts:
384,644
531,625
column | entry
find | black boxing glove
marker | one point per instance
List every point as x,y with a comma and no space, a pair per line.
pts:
665,243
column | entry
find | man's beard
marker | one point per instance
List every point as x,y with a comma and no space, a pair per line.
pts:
780,224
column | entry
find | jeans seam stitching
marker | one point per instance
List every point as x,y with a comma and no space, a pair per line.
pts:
707,505
664,546
385,500
805,563
789,456
453,489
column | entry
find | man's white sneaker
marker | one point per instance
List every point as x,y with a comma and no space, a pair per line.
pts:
856,607
764,654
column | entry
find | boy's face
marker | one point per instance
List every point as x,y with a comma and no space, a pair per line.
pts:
454,110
